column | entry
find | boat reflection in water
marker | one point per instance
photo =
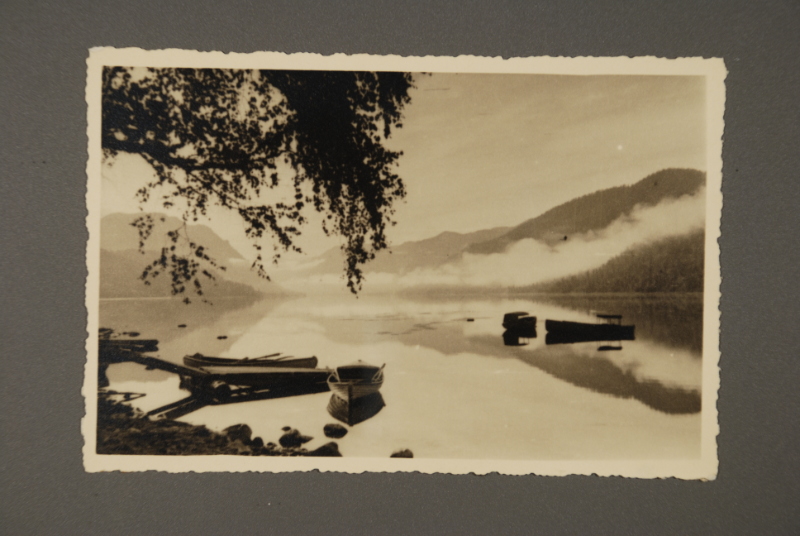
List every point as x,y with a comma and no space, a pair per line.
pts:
597,372
355,410
516,337
519,328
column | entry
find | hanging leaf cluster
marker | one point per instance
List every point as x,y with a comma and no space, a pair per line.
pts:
218,137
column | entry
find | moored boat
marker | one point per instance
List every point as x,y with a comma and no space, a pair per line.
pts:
519,320
263,377
272,360
350,382
561,332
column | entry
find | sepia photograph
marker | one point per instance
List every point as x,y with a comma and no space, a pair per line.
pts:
365,263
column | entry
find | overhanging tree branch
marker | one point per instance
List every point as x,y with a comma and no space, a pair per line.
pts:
218,137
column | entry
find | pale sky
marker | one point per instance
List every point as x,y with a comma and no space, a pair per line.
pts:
491,150
488,150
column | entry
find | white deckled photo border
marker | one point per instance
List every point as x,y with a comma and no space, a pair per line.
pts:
713,69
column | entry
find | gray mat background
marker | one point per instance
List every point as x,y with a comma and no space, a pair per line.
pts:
43,489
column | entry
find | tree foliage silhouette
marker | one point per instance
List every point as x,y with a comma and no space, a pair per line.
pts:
226,137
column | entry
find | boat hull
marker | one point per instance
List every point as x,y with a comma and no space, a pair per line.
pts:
263,377
200,361
353,390
519,320
562,332
351,382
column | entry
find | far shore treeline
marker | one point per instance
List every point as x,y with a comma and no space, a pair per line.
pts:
674,264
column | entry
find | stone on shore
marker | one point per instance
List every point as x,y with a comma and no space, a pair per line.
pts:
335,431
402,453
328,449
242,432
293,438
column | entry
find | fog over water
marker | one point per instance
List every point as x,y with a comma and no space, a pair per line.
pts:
531,261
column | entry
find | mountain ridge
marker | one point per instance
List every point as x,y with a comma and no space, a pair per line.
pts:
597,210
117,234
120,273
122,263
411,255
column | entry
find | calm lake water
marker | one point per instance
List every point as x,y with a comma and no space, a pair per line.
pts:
452,388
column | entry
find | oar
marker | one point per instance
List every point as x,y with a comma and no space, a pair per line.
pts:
265,356
379,373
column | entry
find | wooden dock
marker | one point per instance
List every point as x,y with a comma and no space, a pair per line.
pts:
213,384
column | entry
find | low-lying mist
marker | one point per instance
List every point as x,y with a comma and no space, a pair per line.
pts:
530,261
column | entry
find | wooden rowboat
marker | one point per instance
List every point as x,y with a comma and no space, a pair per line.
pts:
519,320
263,377
351,382
272,360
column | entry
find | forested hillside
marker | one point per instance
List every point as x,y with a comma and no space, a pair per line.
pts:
597,210
673,264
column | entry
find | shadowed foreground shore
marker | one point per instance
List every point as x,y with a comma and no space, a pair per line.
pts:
122,430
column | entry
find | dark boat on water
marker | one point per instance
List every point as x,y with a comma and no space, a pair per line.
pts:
519,325
272,360
357,410
221,382
562,332
519,320
350,382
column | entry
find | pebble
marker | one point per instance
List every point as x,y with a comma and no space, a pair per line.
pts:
328,449
336,431
293,438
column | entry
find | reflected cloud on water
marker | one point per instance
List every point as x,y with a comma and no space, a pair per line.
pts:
600,374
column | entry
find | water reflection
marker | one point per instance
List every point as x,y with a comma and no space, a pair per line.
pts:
602,375
477,376
607,348
356,410
183,329
518,336
198,400
594,334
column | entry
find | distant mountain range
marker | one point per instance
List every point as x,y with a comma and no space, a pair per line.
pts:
120,272
673,264
117,234
589,213
409,256
596,211
121,262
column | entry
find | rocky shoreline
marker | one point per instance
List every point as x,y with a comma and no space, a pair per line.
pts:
122,429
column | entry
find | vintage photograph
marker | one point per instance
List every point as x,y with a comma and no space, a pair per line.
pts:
364,263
